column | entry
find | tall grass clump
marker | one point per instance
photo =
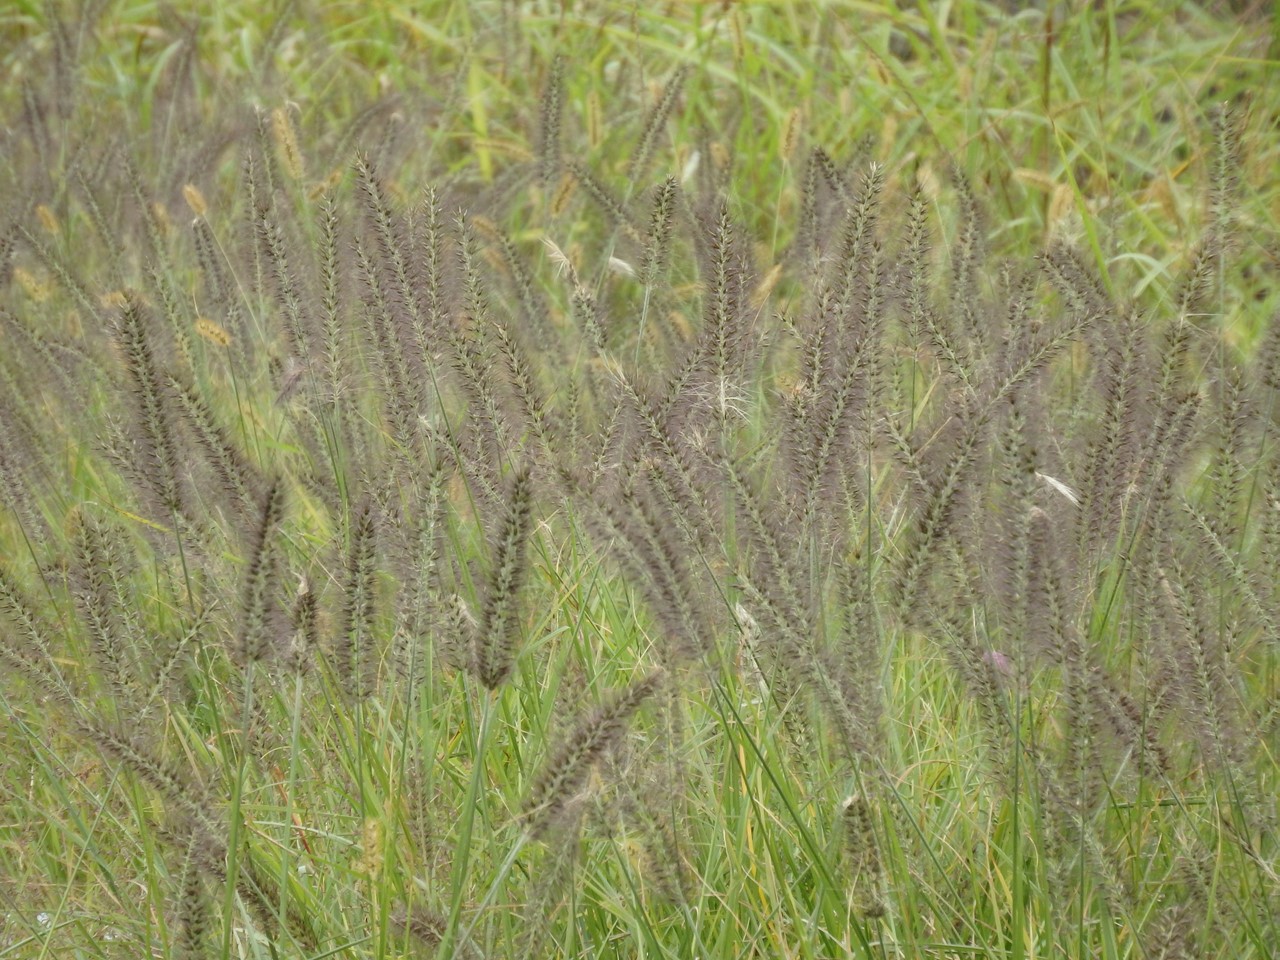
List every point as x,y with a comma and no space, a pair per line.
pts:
585,529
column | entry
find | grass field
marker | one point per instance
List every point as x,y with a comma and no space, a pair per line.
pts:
770,480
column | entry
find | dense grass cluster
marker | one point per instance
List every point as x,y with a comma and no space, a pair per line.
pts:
429,546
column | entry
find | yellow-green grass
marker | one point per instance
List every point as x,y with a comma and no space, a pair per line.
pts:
358,818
